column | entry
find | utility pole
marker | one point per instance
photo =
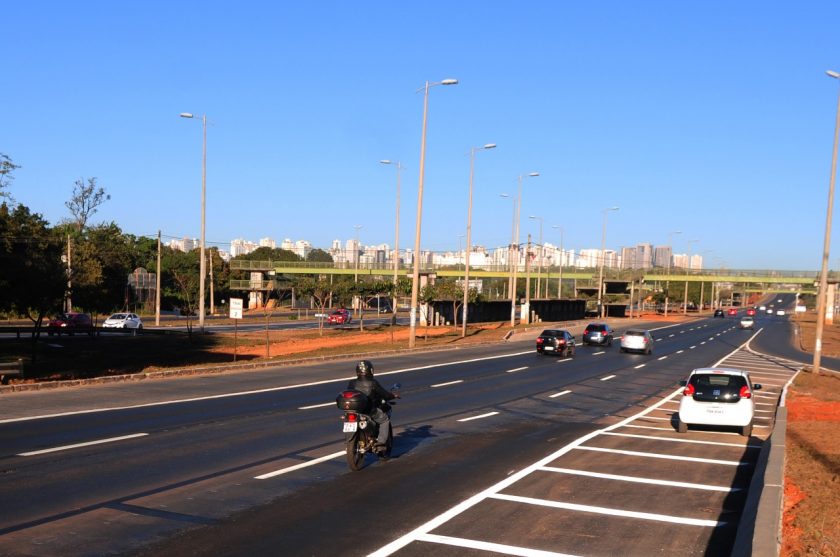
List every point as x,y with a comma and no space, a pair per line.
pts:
210,258
157,285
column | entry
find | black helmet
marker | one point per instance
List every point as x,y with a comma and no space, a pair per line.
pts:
364,369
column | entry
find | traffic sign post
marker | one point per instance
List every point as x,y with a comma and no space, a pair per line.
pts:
236,315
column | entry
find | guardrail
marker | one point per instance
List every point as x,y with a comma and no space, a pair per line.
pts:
10,369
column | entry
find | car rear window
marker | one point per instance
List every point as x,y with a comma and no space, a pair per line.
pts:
551,333
634,333
717,387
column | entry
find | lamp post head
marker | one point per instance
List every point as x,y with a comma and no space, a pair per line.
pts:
831,73
504,195
533,174
449,81
385,161
489,146
186,115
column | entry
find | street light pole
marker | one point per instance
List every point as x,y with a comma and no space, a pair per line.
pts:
202,266
396,234
560,273
822,293
688,266
670,256
516,248
415,275
603,257
539,260
356,249
469,237
510,246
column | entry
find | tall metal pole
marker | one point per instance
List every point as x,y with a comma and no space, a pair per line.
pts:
469,239
822,293
601,268
157,285
539,260
396,262
356,250
202,268
670,256
516,249
560,273
415,275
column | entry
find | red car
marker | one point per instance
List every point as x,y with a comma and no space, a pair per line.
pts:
339,317
69,323
751,311
732,311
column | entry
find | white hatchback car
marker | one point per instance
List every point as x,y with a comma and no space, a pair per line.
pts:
747,322
637,340
717,397
123,321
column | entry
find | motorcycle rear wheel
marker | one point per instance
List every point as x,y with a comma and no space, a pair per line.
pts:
355,458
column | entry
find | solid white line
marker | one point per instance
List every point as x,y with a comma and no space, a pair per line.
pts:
86,444
640,366
317,406
447,384
516,369
610,512
663,456
256,391
607,378
487,415
680,440
312,462
489,546
636,479
561,393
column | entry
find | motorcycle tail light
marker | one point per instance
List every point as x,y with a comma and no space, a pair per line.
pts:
350,417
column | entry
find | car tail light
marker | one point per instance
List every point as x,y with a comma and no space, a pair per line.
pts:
561,342
745,392
621,337
689,390
540,340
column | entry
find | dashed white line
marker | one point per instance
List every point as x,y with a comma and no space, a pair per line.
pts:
662,358
680,351
312,462
316,406
607,378
598,353
692,347
640,366
85,444
447,383
561,393
487,415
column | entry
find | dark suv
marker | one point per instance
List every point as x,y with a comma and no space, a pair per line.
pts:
598,333
556,341
69,323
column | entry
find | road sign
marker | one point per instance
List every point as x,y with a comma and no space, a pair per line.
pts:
236,308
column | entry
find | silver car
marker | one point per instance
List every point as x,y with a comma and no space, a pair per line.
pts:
637,340
747,322
123,321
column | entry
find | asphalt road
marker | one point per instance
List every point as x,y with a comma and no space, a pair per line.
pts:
497,449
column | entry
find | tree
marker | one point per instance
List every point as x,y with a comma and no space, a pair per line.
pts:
319,289
319,256
85,201
103,258
7,168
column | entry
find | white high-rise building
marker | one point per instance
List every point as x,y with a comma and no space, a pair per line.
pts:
267,243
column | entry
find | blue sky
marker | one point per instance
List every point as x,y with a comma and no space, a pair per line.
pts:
711,118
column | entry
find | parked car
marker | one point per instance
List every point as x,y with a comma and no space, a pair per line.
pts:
732,312
339,317
556,341
123,321
598,333
717,397
637,340
70,323
719,313
747,322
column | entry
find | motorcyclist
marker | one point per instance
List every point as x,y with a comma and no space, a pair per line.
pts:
366,384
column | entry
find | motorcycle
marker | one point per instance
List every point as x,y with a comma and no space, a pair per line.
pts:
360,429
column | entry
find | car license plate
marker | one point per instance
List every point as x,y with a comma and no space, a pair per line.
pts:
548,348
714,410
350,427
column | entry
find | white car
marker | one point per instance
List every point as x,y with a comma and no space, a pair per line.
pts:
763,308
717,397
747,322
123,321
637,340
780,312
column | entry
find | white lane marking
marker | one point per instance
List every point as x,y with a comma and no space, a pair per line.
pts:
650,427
607,378
607,511
317,406
256,391
680,351
514,370
312,462
682,332
499,548
680,440
598,353
636,479
692,347
659,340
561,393
487,415
86,444
640,366
662,358
564,361
704,342
664,456
669,336
447,383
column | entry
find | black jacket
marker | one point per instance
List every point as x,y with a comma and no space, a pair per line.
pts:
372,389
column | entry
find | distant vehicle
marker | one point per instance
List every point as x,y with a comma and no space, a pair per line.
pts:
732,312
339,317
717,397
769,311
779,300
123,321
747,322
719,313
762,308
556,341
598,333
70,323
751,311
637,340
780,312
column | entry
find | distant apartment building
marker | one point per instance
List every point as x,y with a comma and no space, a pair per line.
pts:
241,246
184,244
267,243
662,257
302,248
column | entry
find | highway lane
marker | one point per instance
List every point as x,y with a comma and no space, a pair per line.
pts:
219,445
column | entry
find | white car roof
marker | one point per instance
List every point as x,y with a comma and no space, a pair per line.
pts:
720,371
